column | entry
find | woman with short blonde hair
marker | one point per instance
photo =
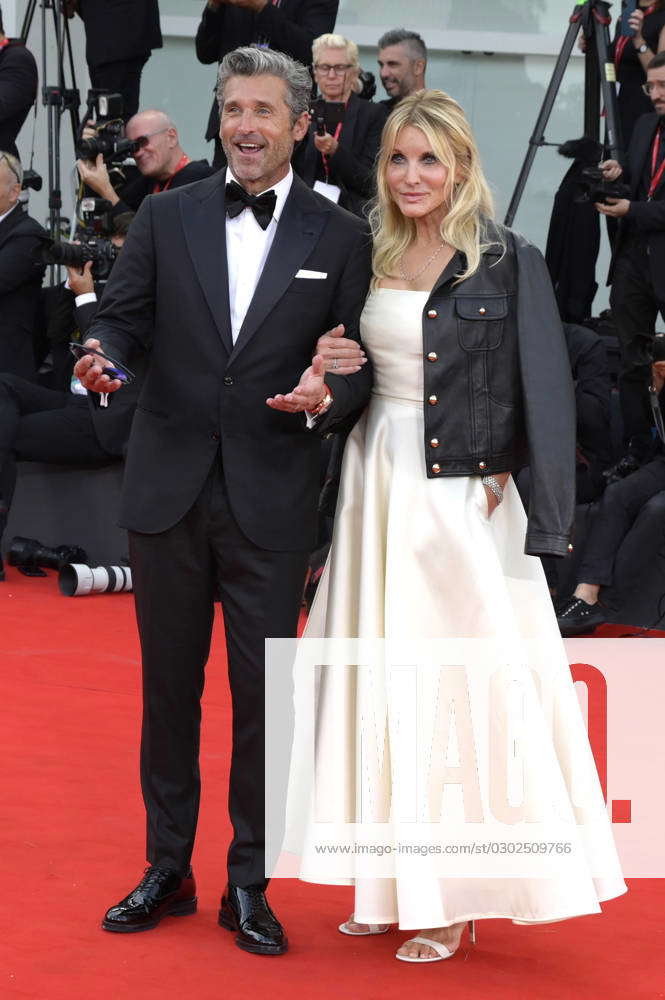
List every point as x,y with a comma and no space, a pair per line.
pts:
337,157
332,41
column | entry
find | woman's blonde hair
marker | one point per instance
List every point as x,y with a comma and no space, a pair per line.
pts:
336,42
467,194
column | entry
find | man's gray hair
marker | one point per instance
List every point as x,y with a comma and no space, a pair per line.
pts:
250,61
400,36
14,165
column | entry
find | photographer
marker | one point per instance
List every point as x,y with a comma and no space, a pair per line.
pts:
622,503
288,26
20,278
337,156
120,37
637,271
160,159
402,63
38,424
18,88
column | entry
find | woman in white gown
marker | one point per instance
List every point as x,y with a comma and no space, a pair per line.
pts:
470,376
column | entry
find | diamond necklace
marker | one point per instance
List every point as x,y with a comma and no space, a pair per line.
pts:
416,274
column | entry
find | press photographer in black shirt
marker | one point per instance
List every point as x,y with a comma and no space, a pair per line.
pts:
39,424
20,278
161,161
637,271
622,503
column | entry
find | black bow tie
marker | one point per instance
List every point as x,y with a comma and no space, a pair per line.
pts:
262,205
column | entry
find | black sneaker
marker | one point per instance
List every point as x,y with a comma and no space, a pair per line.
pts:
578,617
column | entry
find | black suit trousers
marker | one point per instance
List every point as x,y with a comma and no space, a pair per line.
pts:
176,576
635,306
122,77
619,508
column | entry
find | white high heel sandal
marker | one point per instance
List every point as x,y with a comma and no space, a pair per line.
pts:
441,951
372,929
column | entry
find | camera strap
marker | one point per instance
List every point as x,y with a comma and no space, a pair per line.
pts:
656,174
324,157
182,162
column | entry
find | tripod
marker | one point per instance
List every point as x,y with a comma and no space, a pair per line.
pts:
592,16
56,99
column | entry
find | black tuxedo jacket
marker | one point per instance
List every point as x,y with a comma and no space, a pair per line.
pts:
18,88
20,282
645,217
169,291
117,30
290,26
352,166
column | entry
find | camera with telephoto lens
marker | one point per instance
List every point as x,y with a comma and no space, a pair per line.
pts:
100,251
109,139
32,554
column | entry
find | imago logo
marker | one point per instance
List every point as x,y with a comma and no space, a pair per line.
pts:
596,698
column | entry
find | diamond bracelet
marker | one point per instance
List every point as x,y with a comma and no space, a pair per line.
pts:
494,485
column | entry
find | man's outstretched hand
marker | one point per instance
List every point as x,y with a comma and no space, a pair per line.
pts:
307,394
90,371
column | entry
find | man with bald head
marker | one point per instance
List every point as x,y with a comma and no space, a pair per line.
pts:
161,161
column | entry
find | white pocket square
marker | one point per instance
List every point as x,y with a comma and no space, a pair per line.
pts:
312,274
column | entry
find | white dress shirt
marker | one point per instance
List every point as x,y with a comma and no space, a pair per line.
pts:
247,246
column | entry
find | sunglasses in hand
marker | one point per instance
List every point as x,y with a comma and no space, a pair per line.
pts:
114,369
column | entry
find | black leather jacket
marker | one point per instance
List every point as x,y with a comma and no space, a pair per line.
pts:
498,386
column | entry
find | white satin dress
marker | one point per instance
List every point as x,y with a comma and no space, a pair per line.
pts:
413,556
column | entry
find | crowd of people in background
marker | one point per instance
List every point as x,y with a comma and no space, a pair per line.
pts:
45,415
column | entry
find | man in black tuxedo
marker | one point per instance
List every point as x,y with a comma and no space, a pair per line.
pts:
637,271
288,26
18,88
230,281
120,36
20,277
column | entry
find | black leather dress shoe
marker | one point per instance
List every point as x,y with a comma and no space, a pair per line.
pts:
578,617
246,912
162,892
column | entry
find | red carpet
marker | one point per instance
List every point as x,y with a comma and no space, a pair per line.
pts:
72,843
